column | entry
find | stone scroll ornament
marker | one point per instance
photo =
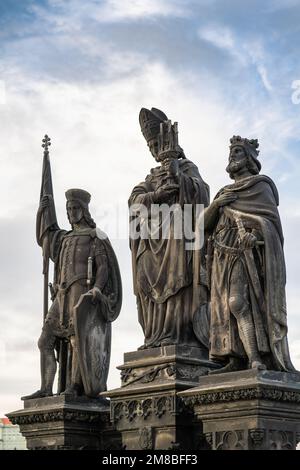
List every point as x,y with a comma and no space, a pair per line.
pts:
246,268
86,295
169,278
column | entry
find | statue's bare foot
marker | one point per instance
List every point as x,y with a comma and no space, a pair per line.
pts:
38,394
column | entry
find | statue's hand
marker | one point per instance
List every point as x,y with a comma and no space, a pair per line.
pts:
96,293
171,167
46,201
169,154
225,199
165,192
249,240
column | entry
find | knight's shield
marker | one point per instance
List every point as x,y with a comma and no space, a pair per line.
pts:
93,338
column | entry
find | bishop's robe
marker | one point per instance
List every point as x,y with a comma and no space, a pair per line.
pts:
167,292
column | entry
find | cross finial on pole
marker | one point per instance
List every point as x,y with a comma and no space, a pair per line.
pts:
46,143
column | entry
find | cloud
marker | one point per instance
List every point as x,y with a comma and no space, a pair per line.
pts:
71,15
121,10
223,38
245,52
264,77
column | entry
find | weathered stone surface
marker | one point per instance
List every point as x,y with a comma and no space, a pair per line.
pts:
146,409
252,409
169,284
246,268
183,364
86,295
63,422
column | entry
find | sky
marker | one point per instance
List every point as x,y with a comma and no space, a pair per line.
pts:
80,72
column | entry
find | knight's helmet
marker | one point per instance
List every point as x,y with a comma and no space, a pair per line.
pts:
250,146
150,121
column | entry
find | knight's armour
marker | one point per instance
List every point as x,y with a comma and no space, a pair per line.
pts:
73,260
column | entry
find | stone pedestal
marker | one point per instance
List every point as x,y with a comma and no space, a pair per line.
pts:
249,409
146,409
62,422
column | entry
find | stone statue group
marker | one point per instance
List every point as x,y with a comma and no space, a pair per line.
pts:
225,295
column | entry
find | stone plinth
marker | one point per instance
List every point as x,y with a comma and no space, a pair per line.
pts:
63,422
250,409
146,409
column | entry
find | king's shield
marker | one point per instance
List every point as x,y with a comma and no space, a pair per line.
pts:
93,338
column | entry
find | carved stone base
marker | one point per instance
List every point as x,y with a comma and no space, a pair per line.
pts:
247,410
146,409
62,422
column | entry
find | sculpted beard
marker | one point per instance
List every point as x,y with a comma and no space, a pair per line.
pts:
233,167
